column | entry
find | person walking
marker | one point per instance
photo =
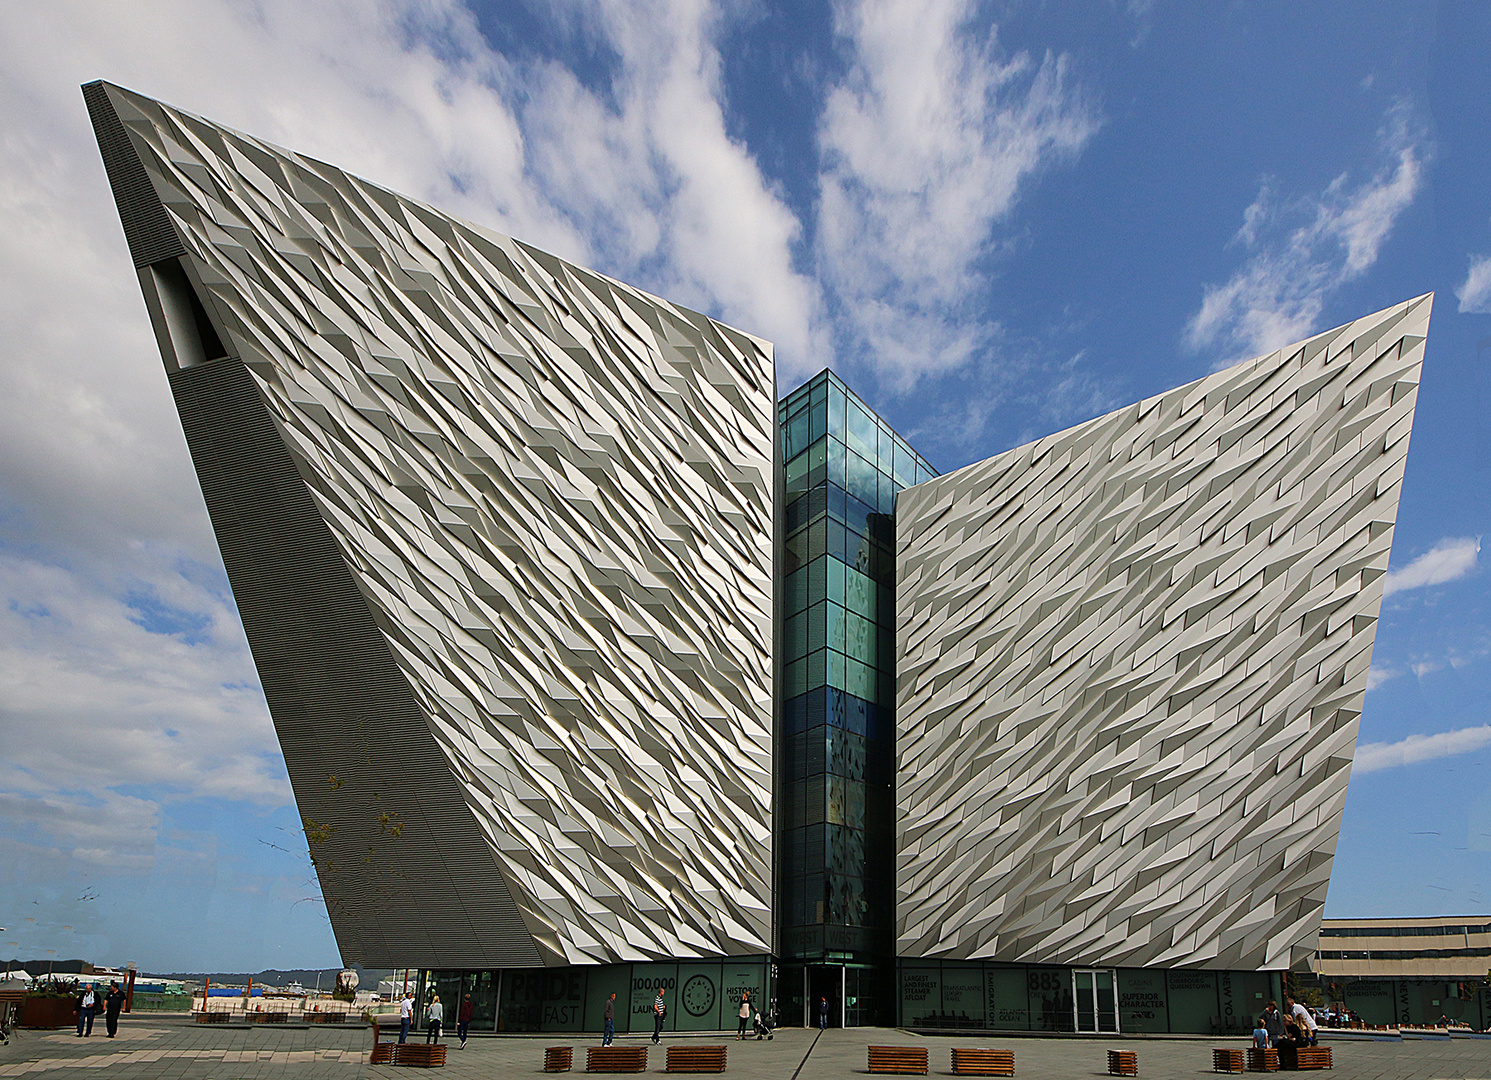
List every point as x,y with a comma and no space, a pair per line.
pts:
609,1015
659,1010
463,1020
823,1014
433,1018
113,1002
406,1016
1273,1023
87,1002
745,1013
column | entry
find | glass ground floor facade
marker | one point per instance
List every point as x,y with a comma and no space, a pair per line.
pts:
701,995
1415,1002
917,994
945,996
972,996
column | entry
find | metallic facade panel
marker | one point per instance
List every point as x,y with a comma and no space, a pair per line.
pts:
554,495
1131,661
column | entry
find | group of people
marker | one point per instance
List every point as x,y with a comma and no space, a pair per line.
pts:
434,1018
87,1004
750,1017
1286,1032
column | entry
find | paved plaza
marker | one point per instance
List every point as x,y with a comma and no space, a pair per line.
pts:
154,1046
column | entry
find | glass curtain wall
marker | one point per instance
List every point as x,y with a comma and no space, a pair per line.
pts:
842,469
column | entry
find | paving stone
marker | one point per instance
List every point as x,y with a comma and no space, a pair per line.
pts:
158,1047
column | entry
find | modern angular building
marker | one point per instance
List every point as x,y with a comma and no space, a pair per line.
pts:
598,669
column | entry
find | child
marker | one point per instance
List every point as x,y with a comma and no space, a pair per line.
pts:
1260,1034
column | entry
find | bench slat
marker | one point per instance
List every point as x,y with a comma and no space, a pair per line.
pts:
616,1059
978,1061
696,1059
1227,1061
898,1059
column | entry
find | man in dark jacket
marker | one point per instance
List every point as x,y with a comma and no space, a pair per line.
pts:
113,1002
463,1019
1273,1023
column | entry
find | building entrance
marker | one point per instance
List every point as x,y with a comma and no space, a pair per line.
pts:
1095,1000
823,987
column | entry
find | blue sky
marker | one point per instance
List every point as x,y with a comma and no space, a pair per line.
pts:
993,220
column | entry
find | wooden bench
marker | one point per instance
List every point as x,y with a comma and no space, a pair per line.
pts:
559,1058
696,1059
1260,1060
1123,1063
1313,1057
973,1061
898,1059
419,1055
206,1017
382,1054
328,1018
262,1016
1227,1061
616,1059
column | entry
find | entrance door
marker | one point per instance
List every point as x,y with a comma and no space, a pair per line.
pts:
825,982
1094,992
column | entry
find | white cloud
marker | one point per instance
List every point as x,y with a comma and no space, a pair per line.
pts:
926,142
677,203
1445,561
1475,293
106,832
1279,293
1372,757
150,686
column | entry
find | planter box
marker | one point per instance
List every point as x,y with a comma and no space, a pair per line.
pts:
50,1012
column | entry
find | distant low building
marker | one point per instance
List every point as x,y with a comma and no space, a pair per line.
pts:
1407,971
1436,948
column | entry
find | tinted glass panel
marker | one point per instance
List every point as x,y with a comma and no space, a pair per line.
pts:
796,436
903,466
835,572
921,996
795,636
797,474
862,434
834,627
862,480
1141,1001
1006,1002
834,473
1192,999
861,594
1051,1003
962,996
861,638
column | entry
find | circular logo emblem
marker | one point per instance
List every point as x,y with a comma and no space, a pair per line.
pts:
698,995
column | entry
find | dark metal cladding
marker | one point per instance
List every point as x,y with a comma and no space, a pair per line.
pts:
147,227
